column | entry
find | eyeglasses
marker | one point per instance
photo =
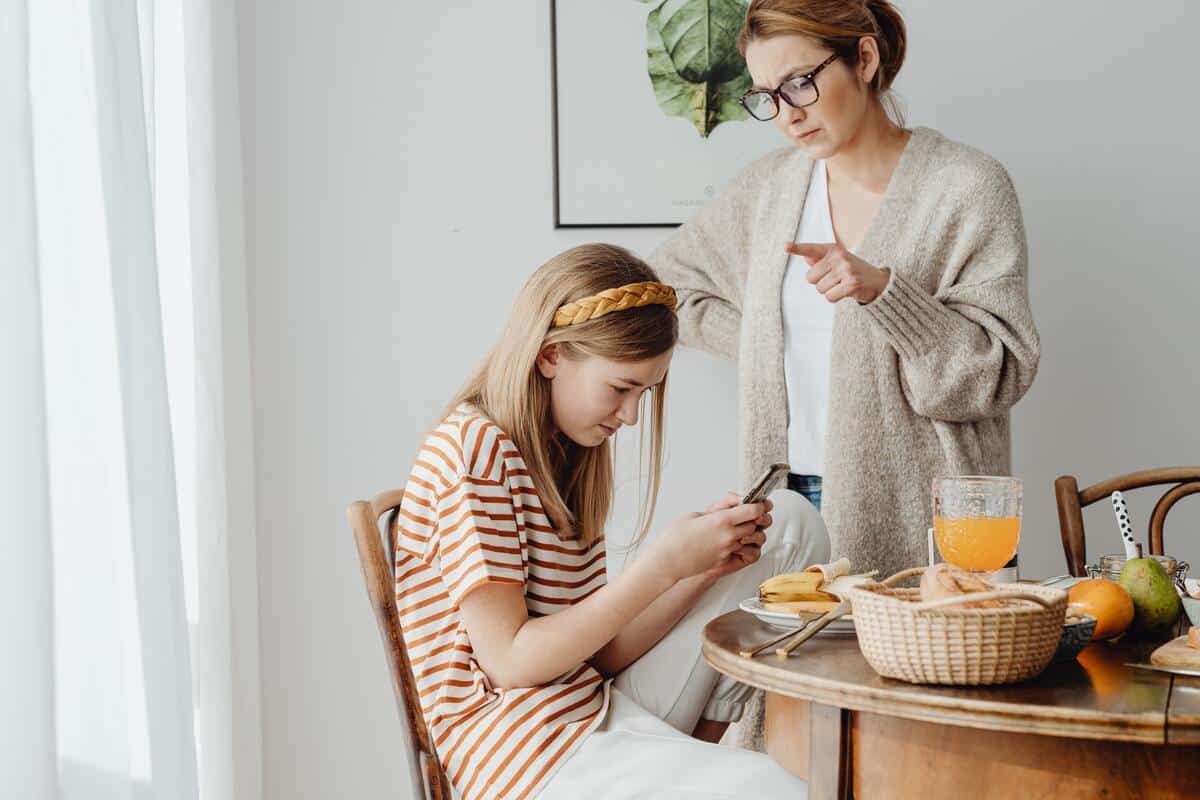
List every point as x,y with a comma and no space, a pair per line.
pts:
798,91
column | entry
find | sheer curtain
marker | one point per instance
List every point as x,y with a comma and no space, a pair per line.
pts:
124,415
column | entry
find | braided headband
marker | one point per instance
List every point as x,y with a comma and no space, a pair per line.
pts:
633,295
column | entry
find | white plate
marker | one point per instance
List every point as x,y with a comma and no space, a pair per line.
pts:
782,619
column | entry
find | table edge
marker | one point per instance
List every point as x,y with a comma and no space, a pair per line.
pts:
1148,728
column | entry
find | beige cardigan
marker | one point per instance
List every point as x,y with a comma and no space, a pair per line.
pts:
921,379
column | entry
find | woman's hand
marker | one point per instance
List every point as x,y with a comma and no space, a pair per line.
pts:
717,542
838,273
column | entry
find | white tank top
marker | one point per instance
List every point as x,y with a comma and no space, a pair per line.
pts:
808,337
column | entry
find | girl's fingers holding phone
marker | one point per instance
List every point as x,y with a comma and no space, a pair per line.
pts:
729,500
750,554
756,538
747,531
744,513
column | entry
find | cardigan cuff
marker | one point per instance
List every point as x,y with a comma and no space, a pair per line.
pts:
913,320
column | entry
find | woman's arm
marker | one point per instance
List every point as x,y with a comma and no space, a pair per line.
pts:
965,355
709,311
705,261
969,351
515,650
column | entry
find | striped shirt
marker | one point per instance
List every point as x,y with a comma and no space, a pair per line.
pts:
471,515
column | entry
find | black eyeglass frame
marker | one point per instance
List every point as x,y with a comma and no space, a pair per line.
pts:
775,95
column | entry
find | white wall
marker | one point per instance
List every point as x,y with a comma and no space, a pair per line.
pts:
398,173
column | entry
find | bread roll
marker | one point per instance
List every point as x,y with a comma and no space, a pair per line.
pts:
946,580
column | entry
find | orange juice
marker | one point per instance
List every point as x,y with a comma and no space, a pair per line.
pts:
978,543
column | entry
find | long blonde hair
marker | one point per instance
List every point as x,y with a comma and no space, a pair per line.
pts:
574,483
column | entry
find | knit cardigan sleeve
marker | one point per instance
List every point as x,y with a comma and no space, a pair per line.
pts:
706,261
969,350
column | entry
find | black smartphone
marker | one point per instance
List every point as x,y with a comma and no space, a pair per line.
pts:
767,483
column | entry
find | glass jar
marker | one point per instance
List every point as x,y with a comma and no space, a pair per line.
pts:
1110,567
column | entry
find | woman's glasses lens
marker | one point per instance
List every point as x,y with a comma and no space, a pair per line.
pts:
761,105
798,93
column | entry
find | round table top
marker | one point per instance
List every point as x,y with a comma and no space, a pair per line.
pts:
1096,696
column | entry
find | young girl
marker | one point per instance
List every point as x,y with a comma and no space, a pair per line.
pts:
537,675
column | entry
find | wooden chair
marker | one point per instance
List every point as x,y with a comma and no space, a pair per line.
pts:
376,552
1072,501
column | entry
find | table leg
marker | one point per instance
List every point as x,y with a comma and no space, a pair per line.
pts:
785,732
829,760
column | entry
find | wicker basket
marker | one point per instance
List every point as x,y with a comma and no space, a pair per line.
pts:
937,642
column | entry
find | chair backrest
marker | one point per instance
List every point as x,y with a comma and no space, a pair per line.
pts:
1072,501
376,552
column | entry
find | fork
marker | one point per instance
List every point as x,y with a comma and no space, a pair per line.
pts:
805,619
813,629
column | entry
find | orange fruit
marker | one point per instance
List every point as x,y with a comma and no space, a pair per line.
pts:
1107,601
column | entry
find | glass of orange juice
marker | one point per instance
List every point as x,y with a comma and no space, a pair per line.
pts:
977,520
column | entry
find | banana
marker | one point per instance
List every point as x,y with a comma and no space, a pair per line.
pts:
793,587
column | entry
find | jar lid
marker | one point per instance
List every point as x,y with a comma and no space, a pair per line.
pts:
1115,561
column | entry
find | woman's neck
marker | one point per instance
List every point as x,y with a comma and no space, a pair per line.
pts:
869,159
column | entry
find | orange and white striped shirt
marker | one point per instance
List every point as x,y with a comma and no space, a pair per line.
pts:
470,515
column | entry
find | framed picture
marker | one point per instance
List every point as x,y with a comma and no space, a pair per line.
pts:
647,119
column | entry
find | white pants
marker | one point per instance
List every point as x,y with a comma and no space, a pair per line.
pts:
644,749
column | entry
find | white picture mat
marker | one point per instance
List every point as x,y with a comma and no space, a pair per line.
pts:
621,160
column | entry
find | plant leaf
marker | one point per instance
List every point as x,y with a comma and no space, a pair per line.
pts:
693,62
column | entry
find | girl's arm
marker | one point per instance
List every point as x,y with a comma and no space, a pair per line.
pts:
643,632
636,638
515,650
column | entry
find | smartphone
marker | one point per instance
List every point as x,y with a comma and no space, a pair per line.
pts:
767,483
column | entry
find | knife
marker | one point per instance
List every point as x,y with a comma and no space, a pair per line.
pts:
1193,673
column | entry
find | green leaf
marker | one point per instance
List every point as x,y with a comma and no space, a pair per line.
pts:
693,62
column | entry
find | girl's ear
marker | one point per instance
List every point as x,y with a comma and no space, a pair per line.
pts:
547,361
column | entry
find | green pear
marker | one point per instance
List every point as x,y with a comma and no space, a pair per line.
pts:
1156,604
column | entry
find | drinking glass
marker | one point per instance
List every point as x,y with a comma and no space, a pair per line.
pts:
977,520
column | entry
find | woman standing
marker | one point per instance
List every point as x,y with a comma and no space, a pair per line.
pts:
870,281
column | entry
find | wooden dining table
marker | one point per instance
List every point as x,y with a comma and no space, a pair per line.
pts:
1087,727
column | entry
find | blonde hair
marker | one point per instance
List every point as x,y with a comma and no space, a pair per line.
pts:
837,25
574,483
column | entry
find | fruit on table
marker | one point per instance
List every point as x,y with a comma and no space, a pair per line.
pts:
1156,604
794,586
1105,600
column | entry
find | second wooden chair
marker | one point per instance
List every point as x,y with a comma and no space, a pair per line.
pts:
1071,502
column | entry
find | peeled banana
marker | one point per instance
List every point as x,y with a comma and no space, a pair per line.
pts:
794,587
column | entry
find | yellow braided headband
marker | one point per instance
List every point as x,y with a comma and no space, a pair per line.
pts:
633,295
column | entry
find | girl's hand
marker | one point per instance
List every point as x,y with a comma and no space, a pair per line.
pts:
838,273
715,543
730,500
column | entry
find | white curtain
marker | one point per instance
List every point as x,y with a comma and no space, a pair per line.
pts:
124,415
